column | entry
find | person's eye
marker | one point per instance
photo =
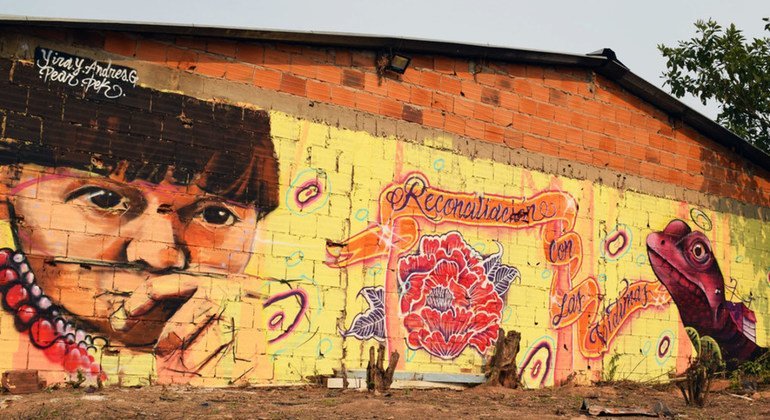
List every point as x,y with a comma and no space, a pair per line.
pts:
102,198
218,215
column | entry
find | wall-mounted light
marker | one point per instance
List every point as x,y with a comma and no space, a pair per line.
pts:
398,63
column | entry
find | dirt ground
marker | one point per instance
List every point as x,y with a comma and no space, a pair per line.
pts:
317,402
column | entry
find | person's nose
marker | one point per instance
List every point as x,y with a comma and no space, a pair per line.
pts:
155,241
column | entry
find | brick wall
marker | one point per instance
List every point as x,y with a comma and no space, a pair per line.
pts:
560,183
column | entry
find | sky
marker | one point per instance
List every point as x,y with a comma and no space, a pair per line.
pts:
633,29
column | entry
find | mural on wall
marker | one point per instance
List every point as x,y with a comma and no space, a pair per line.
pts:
450,297
152,236
128,227
684,261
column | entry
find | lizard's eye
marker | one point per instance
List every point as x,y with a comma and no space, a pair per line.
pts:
700,252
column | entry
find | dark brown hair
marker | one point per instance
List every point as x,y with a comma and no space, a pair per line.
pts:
223,149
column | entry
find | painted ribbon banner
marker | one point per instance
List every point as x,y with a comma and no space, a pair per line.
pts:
596,329
555,212
402,204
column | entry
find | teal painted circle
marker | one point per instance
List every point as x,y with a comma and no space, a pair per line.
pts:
507,312
375,270
439,165
480,247
546,274
362,214
324,347
295,259
646,348
602,277
641,260
739,258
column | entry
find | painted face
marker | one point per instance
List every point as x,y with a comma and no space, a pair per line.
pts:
94,242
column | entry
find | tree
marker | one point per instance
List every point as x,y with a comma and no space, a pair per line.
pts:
719,64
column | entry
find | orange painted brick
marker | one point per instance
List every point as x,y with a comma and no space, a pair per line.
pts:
600,158
463,107
608,144
450,85
250,53
432,118
532,143
522,122
592,140
118,43
276,59
522,87
430,80
222,47
558,132
444,64
343,58
397,90
474,129
239,72
303,66
151,51
638,152
553,147
487,78
330,74
420,96
483,112
540,127
367,102
546,111
632,165
180,58
470,90
493,133
502,117
411,77
266,78
513,138
443,101
528,106
342,96
211,68
319,91
375,84
293,85
509,101
391,108
454,124
422,62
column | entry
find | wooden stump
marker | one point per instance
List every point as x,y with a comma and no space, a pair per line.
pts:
502,367
379,379
21,381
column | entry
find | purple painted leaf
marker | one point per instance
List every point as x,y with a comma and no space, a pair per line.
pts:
370,323
499,274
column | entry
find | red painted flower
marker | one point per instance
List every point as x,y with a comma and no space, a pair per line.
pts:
447,301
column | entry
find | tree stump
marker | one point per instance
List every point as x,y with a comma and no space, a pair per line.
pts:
502,367
379,379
